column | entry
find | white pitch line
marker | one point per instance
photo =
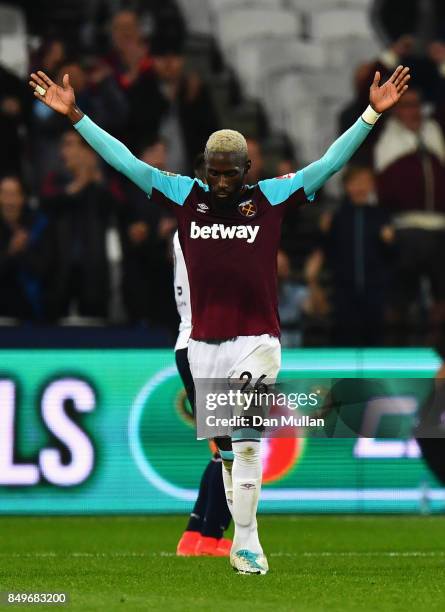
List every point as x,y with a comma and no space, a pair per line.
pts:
355,553
97,555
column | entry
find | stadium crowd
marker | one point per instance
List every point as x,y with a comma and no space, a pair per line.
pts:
76,240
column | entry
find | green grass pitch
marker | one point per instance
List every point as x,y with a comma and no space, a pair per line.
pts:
317,563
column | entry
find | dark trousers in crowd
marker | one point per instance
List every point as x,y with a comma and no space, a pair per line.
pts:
358,316
418,287
80,289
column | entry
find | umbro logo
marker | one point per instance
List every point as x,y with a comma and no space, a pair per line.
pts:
247,485
201,207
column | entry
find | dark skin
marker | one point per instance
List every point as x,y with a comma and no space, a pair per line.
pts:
226,175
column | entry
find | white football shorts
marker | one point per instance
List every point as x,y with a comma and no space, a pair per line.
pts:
217,366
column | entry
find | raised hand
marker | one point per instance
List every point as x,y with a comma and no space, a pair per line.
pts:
60,99
387,95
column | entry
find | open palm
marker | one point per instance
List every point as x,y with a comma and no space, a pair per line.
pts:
60,99
386,96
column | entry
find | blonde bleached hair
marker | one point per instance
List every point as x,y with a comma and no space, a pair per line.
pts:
226,141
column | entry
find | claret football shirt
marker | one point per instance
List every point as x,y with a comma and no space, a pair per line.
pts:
230,252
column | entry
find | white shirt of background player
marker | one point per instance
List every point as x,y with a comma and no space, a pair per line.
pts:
182,295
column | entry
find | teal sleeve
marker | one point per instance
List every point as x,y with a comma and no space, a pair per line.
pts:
336,157
173,186
278,190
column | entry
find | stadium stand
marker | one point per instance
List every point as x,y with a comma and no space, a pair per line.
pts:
285,73
13,42
286,54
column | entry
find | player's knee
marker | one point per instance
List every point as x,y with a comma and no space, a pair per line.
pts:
247,450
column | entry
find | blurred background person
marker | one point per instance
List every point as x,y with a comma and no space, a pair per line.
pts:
357,251
129,56
49,55
422,19
146,233
295,301
99,94
174,104
78,206
409,159
412,29
257,170
15,106
22,259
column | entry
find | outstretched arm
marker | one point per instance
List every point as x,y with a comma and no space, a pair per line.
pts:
381,98
62,100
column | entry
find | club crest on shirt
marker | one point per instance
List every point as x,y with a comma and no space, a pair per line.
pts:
248,208
201,207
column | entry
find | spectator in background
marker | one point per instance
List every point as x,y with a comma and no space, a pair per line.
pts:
300,232
130,55
46,18
21,254
147,263
15,107
410,157
286,162
414,31
129,58
357,250
170,103
49,56
255,153
167,18
422,19
78,207
437,54
102,100
409,136
293,303
385,63
98,93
